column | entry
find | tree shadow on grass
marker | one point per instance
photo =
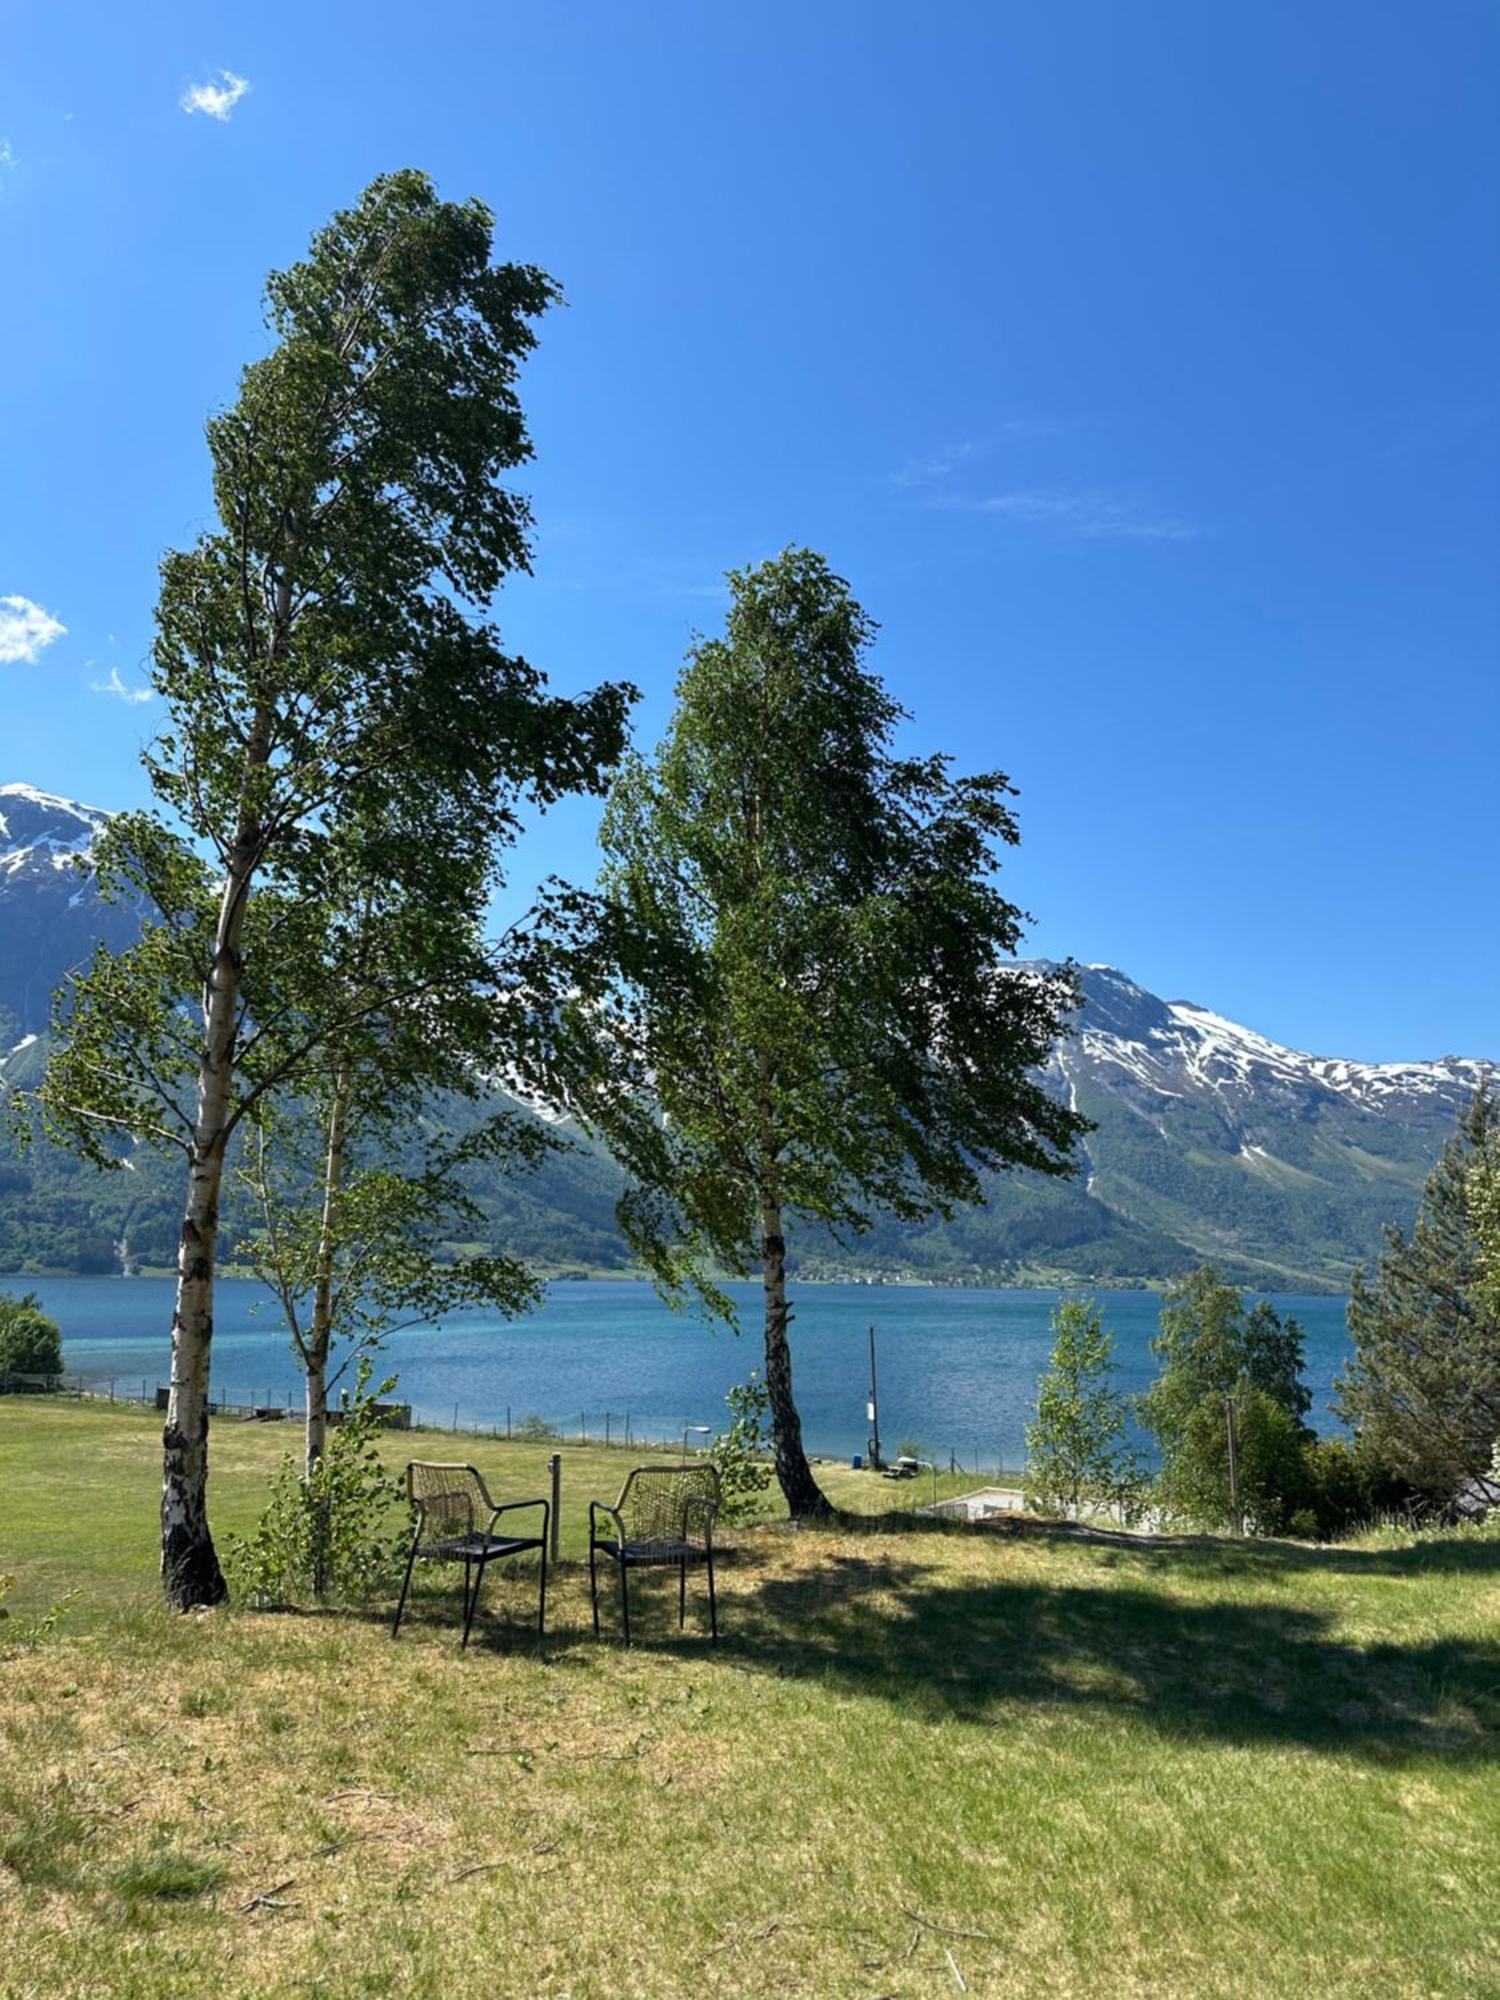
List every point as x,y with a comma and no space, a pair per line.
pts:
1210,1670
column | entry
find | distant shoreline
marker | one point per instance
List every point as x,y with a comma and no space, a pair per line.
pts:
1040,1282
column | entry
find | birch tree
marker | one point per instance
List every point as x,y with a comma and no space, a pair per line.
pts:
816,998
328,664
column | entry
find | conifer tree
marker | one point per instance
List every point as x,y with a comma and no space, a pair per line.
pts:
1423,1389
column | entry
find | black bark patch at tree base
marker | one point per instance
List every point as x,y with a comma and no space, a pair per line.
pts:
190,1570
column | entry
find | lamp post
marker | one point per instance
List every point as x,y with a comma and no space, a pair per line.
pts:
699,1430
872,1410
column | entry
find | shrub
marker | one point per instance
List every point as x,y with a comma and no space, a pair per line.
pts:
535,1430
740,1452
45,1626
330,1535
30,1342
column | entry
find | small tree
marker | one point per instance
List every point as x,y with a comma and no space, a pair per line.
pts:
1215,1354
1076,1450
1422,1392
740,1452
818,1013
332,681
30,1342
336,1532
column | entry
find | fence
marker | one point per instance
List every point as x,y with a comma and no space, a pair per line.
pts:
610,1429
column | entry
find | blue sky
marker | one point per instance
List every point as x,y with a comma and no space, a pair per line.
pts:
1139,364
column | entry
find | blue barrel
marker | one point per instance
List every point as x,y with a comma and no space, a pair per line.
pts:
856,1462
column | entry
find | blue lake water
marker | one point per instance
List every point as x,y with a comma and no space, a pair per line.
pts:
957,1368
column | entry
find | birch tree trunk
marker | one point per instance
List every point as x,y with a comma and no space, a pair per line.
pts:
189,1562
320,1334
804,1497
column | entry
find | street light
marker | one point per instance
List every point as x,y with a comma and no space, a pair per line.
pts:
699,1430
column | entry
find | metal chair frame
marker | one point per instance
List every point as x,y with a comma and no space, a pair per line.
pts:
653,1527
450,1501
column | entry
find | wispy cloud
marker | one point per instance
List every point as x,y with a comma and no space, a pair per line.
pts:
26,629
115,686
218,98
937,465
7,156
1098,516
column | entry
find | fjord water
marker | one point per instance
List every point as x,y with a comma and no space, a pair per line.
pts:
957,1368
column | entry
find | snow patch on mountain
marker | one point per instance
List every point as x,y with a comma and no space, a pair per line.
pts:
1175,1049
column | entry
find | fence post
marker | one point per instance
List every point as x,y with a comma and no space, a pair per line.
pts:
507,1420
583,1426
606,1426
555,1468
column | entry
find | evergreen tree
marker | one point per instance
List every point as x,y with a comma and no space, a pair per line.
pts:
818,1011
1075,1448
1423,1389
1214,1353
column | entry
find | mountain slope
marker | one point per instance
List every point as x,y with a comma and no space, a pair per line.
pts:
1209,1140
51,912
1242,1150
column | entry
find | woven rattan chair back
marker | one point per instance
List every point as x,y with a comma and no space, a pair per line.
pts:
658,1502
452,1499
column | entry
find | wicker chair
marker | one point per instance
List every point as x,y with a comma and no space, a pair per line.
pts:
455,1523
664,1515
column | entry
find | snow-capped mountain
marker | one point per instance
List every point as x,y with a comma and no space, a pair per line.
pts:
1239,1148
51,913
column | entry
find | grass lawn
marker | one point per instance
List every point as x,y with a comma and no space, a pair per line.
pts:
1036,1764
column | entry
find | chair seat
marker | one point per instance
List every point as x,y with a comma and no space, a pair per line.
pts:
479,1548
652,1552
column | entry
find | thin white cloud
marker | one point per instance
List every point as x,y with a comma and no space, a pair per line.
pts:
7,155
1096,516
938,464
26,629
115,686
217,99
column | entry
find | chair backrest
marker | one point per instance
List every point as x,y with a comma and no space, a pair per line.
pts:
452,1499
655,1499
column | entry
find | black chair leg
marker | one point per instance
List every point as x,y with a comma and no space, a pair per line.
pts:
625,1599
541,1594
471,1598
405,1587
713,1609
594,1586
681,1595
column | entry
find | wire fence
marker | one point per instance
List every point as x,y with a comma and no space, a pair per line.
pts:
605,1429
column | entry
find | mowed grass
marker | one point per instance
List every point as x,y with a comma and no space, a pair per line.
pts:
1037,1764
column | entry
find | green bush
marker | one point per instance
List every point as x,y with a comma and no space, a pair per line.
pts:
740,1452
334,1536
30,1342
535,1430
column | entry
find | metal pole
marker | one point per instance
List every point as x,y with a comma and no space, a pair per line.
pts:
507,1420
555,1467
874,1411
1236,1518
606,1426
